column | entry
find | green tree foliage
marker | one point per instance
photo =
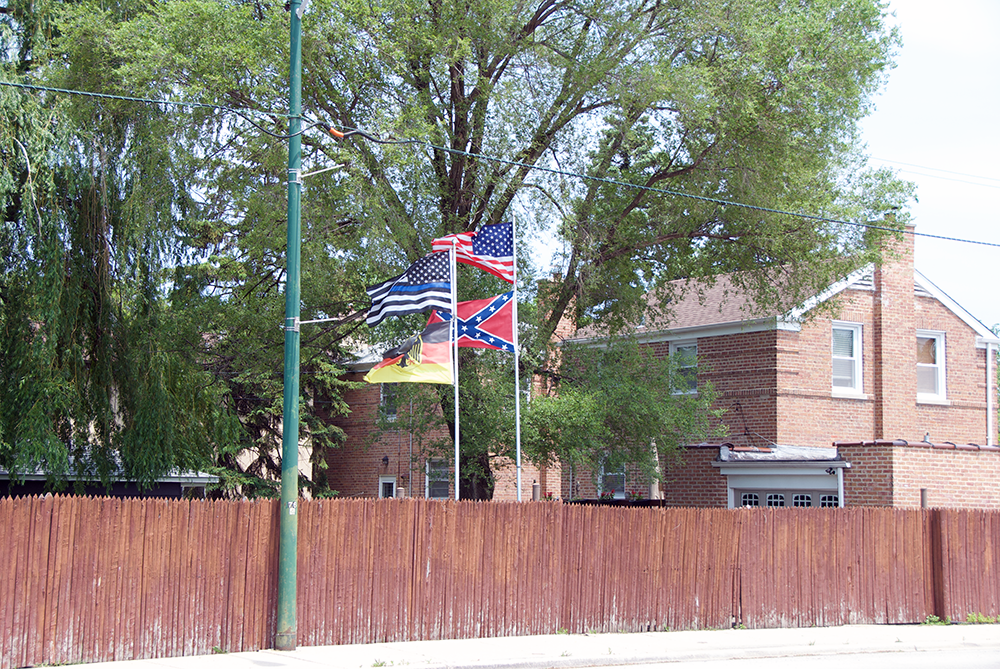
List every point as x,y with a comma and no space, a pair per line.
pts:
669,109
89,387
617,393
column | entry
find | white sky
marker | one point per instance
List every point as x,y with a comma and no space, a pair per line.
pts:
938,115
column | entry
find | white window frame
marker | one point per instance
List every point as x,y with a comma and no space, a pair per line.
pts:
427,478
857,360
940,393
382,480
675,347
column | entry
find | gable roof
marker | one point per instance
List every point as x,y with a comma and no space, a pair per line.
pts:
722,307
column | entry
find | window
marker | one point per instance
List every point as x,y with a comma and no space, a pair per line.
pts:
438,479
386,487
685,357
930,365
612,480
387,400
802,500
846,354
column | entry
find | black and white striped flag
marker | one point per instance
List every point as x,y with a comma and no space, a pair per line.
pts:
424,286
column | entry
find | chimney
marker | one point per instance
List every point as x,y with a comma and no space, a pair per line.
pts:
894,338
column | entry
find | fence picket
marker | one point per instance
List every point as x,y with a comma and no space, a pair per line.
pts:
89,579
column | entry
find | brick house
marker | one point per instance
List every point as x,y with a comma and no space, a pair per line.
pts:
889,400
396,463
886,398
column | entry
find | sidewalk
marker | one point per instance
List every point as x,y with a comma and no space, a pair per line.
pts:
565,651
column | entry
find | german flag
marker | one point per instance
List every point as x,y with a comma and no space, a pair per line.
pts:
424,358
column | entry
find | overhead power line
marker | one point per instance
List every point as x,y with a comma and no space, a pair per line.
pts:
174,103
347,132
937,169
664,191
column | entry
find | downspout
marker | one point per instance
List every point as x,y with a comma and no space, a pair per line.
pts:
991,393
840,487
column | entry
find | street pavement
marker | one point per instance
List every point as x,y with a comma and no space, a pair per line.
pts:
815,646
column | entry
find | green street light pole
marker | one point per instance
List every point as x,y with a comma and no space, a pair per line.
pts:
286,637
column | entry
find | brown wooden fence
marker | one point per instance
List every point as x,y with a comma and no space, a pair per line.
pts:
86,580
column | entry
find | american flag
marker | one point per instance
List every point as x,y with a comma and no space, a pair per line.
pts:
490,249
485,323
424,286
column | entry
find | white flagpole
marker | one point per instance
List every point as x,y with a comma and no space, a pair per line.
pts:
454,345
517,370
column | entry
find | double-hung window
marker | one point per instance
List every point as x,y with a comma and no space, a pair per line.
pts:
612,480
388,399
846,358
685,358
930,366
437,479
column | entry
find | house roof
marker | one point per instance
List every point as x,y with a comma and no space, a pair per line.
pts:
173,476
778,453
720,307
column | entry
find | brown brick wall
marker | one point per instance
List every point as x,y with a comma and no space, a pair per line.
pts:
742,368
893,338
353,470
893,474
694,481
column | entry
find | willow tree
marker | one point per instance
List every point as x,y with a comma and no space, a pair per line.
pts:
89,386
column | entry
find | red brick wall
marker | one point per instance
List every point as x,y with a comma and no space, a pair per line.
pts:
505,480
893,474
893,338
694,481
963,419
809,413
868,482
743,369
353,470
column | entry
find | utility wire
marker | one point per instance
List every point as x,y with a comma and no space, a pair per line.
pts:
194,105
936,169
349,132
937,176
813,217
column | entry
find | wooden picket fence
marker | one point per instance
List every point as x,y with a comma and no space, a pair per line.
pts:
99,579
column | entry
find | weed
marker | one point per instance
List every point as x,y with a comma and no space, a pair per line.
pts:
934,620
218,651
562,630
976,618
378,663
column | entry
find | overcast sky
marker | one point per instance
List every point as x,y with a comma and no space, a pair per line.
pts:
936,123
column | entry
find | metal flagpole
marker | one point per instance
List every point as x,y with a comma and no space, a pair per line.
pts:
517,367
454,345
